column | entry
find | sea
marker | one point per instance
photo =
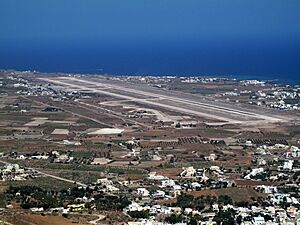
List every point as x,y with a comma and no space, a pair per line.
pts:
264,60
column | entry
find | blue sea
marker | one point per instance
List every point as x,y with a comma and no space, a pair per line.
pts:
263,60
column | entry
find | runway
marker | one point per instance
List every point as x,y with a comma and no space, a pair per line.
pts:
185,105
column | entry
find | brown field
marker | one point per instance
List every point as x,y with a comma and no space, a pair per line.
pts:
237,194
169,172
133,176
237,161
41,220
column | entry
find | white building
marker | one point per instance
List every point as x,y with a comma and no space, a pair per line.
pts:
254,172
288,165
259,220
143,192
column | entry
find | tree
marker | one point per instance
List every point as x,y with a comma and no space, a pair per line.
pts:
225,199
239,219
199,205
174,219
225,217
139,214
185,201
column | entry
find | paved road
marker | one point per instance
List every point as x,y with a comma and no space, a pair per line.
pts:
100,217
60,178
52,176
111,113
68,111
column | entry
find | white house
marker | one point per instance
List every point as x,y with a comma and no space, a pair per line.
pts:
254,172
188,172
288,165
143,192
167,183
159,194
259,220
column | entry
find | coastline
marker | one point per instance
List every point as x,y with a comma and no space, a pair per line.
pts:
284,80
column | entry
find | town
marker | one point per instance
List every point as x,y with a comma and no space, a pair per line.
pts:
136,150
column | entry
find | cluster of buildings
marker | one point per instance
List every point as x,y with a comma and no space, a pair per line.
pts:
277,208
27,88
13,172
252,82
279,98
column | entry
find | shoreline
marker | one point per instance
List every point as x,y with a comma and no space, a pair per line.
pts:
265,78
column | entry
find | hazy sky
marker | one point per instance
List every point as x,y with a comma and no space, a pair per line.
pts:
149,19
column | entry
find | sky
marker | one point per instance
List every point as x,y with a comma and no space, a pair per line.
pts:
165,24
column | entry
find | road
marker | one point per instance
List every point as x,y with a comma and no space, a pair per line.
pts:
111,113
52,176
68,111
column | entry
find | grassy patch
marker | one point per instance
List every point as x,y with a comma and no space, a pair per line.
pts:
83,154
79,176
39,164
2,200
237,194
90,123
46,183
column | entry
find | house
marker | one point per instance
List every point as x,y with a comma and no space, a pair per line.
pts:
188,172
21,157
176,187
281,214
63,158
292,211
176,210
268,189
143,192
271,210
215,169
133,207
39,157
188,211
201,174
37,209
208,223
76,207
153,176
55,153
254,172
288,165
146,222
155,209
167,183
259,220
110,188
215,207
278,198
211,157
166,210
195,185
156,158
104,181
158,194
67,142
261,162
60,210
100,161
